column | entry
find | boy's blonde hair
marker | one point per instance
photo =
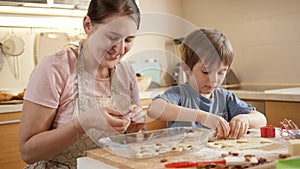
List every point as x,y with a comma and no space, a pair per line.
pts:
208,45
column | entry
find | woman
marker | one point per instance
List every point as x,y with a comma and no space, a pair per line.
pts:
56,112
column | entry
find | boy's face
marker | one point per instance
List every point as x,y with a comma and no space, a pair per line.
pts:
206,79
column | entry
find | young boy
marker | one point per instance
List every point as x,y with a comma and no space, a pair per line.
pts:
206,57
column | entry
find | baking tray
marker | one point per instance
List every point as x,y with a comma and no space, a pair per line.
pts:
152,143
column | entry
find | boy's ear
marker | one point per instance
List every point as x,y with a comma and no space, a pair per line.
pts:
186,69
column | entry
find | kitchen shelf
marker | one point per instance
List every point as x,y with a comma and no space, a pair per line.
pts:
67,4
38,11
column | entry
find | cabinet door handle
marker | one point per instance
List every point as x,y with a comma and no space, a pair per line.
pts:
9,122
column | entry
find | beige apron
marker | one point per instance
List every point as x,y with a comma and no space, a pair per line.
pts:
67,158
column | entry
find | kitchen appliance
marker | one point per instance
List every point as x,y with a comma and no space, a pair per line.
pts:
150,69
179,76
47,43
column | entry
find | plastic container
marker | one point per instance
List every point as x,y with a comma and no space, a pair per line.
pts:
153,143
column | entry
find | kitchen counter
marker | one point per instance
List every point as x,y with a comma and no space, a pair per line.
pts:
151,93
7,108
265,93
268,93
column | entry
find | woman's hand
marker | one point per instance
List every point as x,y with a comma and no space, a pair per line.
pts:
238,126
138,119
105,119
138,115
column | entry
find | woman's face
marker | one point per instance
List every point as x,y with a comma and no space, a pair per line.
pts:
207,79
111,40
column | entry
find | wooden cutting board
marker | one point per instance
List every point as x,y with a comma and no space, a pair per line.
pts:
47,43
127,163
270,153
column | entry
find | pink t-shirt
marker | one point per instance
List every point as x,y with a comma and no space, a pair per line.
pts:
53,84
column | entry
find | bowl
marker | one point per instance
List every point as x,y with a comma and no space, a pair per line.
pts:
152,143
143,82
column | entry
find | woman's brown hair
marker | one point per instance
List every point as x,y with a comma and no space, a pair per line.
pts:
100,9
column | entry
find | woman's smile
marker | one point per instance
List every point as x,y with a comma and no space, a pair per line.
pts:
111,56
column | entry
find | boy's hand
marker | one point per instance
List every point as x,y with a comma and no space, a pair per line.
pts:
239,126
217,123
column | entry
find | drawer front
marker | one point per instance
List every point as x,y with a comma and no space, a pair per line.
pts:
9,130
276,111
10,118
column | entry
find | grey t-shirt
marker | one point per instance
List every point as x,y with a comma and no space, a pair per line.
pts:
223,103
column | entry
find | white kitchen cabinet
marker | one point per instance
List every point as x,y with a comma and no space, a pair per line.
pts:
76,4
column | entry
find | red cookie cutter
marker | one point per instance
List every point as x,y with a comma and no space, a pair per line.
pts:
267,131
